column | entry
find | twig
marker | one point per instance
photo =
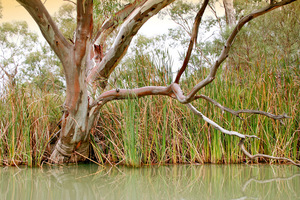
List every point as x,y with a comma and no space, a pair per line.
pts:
71,2
89,159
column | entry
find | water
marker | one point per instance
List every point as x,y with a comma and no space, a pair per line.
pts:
180,182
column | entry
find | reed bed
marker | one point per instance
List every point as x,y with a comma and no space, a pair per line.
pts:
28,118
159,130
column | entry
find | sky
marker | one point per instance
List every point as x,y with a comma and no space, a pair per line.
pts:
12,11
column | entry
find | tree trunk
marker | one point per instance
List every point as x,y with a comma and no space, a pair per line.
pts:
229,12
230,22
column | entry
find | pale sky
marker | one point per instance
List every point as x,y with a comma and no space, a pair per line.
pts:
12,11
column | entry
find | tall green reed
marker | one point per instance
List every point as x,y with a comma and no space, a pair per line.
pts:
166,132
27,118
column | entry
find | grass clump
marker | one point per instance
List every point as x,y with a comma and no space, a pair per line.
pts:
162,131
28,117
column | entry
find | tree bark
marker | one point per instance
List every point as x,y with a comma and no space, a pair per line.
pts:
229,12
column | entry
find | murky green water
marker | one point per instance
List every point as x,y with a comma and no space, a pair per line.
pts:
164,182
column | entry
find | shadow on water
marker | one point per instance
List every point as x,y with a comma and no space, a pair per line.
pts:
164,182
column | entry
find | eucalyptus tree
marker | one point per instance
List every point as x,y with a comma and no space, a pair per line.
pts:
88,65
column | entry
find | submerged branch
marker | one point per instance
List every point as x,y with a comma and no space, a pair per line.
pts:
269,180
249,155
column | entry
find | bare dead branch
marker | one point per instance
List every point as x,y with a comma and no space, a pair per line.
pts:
193,40
236,113
242,136
128,29
216,126
242,146
48,28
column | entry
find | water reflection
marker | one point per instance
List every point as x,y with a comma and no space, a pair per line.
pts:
165,182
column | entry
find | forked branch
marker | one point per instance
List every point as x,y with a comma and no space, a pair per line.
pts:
216,126
174,90
128,29
48,27
228,44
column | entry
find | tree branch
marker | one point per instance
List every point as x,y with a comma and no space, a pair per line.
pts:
242,136
128,29
228,44
193,40
84,29
236,113
216,126
119,94
242,146
70,2
113,22
47,26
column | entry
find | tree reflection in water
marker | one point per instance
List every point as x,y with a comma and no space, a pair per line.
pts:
163,182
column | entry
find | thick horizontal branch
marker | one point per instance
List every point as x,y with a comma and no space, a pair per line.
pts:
173,91
193,40
119,94
48,28
128,29
242,146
